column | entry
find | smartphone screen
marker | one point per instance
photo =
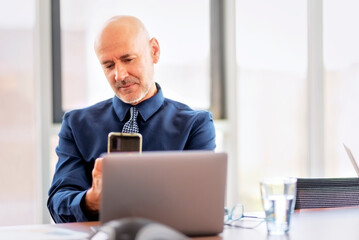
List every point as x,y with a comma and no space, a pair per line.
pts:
124,142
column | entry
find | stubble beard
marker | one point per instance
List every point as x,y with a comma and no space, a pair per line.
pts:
144,90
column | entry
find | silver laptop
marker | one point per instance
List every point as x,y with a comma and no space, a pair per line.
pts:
184,190
353,161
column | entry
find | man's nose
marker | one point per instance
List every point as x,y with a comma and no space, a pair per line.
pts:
120,73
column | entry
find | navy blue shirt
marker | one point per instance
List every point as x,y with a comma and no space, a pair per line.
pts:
163,123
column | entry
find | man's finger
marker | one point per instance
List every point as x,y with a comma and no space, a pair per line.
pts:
98,166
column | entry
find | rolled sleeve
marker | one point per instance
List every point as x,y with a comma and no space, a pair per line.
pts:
76,208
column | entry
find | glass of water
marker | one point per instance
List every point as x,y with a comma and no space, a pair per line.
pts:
278,199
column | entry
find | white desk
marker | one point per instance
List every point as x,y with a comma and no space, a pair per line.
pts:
308,225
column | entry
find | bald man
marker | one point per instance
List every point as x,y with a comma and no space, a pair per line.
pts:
127,55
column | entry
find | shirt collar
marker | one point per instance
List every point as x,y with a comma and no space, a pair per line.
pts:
146,108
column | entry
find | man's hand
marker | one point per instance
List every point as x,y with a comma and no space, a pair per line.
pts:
93,195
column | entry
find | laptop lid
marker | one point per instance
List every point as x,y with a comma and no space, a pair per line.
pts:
351,157
184,190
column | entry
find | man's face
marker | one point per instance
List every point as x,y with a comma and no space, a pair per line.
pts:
127,59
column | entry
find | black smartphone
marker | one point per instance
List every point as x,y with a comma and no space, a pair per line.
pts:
124,142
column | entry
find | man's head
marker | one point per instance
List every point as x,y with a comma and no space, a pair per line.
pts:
127,56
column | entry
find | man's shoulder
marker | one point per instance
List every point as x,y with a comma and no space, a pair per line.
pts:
181,108
177,105
89,112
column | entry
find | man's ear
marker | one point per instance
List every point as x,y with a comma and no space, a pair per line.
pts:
155,50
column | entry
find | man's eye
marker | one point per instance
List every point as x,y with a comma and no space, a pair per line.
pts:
128,59
109,66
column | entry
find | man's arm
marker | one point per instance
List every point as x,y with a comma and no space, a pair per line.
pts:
71,181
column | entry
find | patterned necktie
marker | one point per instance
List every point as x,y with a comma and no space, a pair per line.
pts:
131,125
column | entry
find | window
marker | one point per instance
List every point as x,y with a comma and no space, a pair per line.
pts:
17,109
341,81
272,62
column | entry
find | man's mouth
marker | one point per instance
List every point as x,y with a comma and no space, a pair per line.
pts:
127,85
